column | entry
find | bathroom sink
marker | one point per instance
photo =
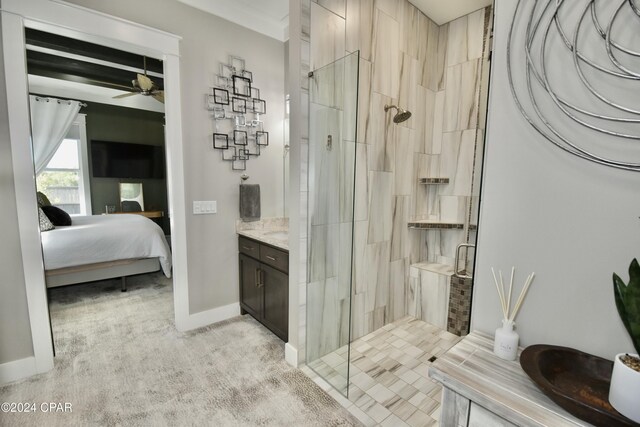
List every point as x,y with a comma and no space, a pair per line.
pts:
577,381
283,235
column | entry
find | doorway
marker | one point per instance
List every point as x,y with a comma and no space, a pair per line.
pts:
113,164
80,23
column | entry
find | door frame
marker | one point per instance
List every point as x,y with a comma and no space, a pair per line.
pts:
84,24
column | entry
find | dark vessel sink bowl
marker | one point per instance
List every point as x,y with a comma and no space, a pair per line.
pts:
578,382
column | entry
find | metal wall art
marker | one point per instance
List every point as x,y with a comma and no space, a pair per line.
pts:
236,108
575,76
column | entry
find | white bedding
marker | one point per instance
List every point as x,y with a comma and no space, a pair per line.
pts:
103,238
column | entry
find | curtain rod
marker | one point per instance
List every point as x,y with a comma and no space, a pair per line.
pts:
39,98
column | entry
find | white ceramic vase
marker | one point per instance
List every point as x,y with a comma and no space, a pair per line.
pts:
625,389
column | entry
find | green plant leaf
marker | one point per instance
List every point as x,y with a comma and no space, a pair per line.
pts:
627,298
632,303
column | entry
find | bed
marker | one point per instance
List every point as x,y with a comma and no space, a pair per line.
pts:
100,247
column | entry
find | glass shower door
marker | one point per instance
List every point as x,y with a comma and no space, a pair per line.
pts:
333,101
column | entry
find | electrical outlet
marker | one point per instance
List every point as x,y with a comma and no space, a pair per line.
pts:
205,207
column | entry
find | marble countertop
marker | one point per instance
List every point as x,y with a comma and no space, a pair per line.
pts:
471,369
272,231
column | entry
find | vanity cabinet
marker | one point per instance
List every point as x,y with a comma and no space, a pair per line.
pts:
264,284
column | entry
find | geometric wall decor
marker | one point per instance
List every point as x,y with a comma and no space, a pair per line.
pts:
574,73
220,141
220,96
262,138
236,109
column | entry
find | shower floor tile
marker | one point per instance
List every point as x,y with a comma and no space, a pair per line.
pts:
389,367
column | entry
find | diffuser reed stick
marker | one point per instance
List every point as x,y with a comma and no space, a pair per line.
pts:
500,294
505,302
513,271
502,290
521,298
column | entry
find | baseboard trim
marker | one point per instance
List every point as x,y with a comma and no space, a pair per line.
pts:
17,370
291,355
207,317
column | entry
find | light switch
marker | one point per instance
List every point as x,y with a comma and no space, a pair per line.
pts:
204,207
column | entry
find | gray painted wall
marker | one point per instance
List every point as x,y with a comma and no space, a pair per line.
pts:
572,222
207,40
119,124
15,331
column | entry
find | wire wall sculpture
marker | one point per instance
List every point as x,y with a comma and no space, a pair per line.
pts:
237,108
592,38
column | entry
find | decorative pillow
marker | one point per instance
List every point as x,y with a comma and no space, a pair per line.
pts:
42,200
56,215
45,224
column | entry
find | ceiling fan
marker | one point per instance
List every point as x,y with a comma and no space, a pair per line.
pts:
143,85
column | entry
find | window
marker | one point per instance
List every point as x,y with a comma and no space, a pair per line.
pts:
65,180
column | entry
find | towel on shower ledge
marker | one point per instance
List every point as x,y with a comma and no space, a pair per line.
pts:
250,202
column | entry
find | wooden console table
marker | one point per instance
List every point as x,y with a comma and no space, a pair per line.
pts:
148,214
482,390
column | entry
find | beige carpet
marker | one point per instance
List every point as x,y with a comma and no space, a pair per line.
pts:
120,362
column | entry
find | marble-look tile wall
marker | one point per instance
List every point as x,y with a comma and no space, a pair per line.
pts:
454,152
434,71
428,293
453,149
402,63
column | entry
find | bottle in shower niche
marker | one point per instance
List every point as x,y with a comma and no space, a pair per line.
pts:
505,344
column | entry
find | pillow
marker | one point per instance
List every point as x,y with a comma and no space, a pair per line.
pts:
45,224
56,215
42,200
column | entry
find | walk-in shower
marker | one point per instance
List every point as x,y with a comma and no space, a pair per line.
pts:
394,161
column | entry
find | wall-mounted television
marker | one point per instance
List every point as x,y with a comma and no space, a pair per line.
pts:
125,160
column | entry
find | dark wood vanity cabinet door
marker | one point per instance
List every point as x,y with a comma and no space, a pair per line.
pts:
276,301
250,289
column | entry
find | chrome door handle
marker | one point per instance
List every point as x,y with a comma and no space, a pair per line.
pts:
456,270
271,258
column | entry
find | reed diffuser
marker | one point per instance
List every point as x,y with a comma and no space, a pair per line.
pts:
506,340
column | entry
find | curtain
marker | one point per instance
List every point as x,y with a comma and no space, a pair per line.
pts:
51,120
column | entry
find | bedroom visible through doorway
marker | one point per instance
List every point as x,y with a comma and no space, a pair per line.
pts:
98,128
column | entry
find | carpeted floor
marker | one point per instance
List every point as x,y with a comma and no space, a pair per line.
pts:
121,362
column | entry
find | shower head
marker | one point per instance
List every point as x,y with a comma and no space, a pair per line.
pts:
400,116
